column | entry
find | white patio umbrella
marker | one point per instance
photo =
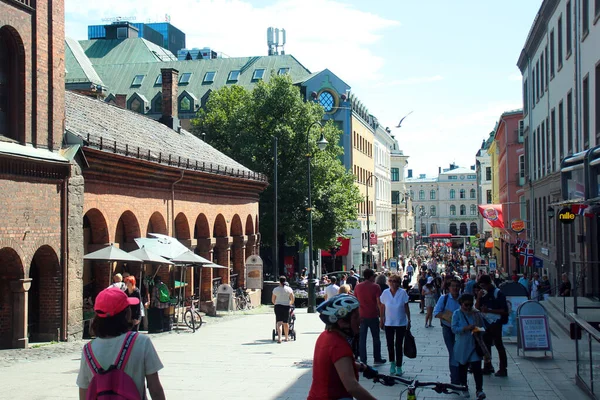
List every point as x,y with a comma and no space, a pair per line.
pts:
148,257
162,245
110,254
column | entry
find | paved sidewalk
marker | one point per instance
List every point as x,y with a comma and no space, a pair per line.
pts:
236,359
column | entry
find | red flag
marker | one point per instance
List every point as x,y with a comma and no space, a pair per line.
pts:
526,258
492,213
578,209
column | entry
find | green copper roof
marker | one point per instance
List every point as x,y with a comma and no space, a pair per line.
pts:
125,51
79,67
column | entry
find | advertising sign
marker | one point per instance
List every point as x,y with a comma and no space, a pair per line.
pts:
566,216
393,264
492,264
534,332
517,225
254,272
373,238
513,302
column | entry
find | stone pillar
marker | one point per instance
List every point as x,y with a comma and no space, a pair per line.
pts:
204,249
20,307
224,248
239,245
250,247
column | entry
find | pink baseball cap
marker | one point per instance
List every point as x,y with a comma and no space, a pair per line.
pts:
112,301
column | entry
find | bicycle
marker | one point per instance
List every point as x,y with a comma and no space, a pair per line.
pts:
242,299
413,385
191,316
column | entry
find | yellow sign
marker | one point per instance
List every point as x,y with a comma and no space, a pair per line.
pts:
566,216
517,225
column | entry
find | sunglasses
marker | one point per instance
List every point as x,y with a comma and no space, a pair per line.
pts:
468,304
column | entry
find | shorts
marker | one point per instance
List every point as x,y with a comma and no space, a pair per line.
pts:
282,313
430,301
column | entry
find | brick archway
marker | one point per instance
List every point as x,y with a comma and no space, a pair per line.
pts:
157,224
95,236
249,226
14,69
221,252
128,228
94,221
11,269
45,296
237,251
204,249
182,227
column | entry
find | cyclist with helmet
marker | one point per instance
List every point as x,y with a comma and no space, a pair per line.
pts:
335,373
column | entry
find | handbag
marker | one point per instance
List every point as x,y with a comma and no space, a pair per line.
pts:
410,347
480,347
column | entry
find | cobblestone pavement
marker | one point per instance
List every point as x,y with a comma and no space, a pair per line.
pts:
234,357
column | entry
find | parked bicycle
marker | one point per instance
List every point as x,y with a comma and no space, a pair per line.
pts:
413,385
191,316
242,299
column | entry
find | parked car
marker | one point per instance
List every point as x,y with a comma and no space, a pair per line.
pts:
413,293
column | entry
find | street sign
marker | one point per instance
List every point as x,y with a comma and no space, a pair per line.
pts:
393,264
492,264
538,262
373,238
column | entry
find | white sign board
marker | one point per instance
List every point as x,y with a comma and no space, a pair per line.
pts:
534,332
254,272
492,264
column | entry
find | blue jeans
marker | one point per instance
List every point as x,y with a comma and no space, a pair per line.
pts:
452,364
373,325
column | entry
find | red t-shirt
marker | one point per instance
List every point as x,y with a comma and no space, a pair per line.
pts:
367,293
326,384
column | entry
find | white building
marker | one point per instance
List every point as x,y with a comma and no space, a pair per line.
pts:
483,163
401,208
446,203
383,194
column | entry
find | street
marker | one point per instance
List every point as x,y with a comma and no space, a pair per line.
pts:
234,358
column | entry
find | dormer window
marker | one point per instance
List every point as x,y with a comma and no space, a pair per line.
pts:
283,71
185,78
158,81
209,77
137,80
258,74
188,103
234,76
157,103
185,104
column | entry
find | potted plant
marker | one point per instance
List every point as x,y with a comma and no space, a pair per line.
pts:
300,298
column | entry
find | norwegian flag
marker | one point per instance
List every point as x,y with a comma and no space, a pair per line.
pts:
578,209
521,245
526,258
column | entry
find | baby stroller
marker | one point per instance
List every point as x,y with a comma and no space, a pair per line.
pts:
291,323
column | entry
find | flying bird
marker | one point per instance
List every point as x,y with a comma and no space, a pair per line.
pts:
400,123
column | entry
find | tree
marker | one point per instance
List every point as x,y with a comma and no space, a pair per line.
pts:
242,123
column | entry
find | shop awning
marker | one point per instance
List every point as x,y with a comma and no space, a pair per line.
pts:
440,236
344,248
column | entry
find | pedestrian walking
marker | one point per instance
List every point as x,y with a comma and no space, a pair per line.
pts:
352,279
368,294
469,285
159,301
136,310
131,352
444,309
118,282
332,289
395,319
564,290
535,287
429,295
492,303
524,281
410,270
282,298
545,288
381,280
465,323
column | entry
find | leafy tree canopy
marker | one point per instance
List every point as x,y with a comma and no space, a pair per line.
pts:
242,123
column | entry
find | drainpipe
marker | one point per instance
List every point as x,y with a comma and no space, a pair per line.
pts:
173,202
64,256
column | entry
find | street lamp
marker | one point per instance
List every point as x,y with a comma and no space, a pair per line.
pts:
321,144
369,255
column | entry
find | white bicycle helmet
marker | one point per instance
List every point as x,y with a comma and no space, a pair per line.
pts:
336,308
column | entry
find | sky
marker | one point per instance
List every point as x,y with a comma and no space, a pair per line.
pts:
452,63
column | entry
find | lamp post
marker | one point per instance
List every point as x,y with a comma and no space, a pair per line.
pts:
369,255
322,143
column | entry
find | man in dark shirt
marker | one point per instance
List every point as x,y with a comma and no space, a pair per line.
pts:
495,310
564,290
352,280
422,283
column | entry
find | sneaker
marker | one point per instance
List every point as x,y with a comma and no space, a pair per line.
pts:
422,312
378,362
501,373
480,395
399,371
393,368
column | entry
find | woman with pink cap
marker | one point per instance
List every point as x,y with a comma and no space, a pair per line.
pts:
116,346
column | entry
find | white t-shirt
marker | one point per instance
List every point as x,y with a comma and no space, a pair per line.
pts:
534,289
331,290
282,295
143,360
395,314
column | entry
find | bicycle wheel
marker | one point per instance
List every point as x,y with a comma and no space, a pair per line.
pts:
197,320
242,305
188,318
248,302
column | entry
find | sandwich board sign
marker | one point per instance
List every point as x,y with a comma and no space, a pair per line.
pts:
254,272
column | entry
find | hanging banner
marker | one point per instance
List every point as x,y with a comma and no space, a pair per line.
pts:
492,213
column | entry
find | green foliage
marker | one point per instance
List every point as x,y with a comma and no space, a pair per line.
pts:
242,124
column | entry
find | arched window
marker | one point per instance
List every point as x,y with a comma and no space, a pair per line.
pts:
473,229
453,210
423,229
412,195
463,194
433,228
432,195
421,195
432,211
185,104
463,229
452,193
12,94
473,194
453,228
463,209
421,210
473,209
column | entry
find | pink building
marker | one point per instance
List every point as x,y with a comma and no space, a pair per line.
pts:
511,178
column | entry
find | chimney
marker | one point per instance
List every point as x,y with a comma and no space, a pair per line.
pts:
170,117
121,100
410,173
472,168
439,170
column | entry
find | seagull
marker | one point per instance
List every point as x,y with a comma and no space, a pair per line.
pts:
400,123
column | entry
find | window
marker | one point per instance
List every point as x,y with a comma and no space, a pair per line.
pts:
463,194
234,76
463,209
586,113
136,106
561,131
137,80
552,139
542,75
433,228
596,8
537,81
525,98
453,210
452,177
543,148
522,166
258,74
473,209
473,229
472,194
283,71
463,229
421,195
560,42
471,176
569,27
121,33
453,229
412,194
452,193
432,195
185,104
395,197
546,67
158,81
488,173
395,174
432,211
209,77
585,16
488,197
569,121
184,79
533,88
552,54
326,100
11,94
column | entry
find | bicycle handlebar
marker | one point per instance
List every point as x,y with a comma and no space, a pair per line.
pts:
438,387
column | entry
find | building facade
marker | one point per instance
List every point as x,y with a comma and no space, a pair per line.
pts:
483,169
383,194
402,208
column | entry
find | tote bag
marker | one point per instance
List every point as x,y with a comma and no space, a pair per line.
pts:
410,347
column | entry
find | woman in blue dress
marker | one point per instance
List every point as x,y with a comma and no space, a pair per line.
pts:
466,322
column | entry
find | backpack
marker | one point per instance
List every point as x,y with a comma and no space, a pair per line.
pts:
163,293
113,383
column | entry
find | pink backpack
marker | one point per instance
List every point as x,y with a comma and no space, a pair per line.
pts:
114,383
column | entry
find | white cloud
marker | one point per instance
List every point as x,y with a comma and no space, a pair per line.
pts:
338,37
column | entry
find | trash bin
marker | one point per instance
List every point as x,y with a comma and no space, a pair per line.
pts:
267,291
